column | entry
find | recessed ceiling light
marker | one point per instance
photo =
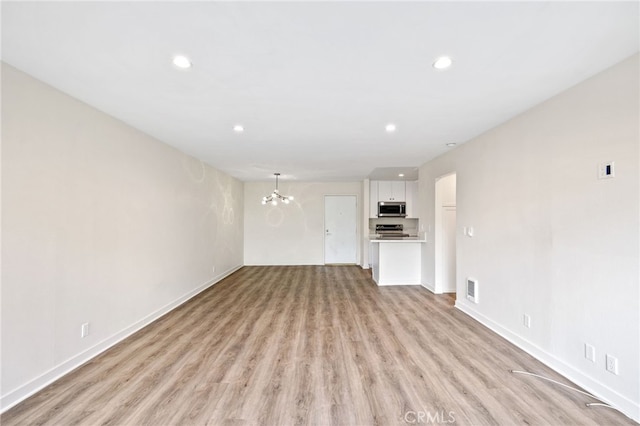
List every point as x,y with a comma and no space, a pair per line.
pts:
442,63
238,128
401,175
450,144
181,62
390,128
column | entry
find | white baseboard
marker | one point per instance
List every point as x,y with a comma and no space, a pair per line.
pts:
21,393
429,287
628,407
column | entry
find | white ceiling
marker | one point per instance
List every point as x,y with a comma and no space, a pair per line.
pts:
315,83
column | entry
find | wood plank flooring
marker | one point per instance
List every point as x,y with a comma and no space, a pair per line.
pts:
317,345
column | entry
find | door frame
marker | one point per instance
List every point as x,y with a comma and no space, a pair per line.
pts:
358,228
444,257
438,286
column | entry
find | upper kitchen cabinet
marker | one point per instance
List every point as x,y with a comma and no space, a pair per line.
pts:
391,190
382,190
373,199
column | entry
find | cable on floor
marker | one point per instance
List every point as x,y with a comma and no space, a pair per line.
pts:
588,404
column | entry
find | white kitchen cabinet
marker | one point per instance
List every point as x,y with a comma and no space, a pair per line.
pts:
391,190
396,262
373,199
411,191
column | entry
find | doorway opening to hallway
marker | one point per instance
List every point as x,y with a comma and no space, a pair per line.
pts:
445,234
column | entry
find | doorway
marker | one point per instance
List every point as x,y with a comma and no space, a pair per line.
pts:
445,234
340,229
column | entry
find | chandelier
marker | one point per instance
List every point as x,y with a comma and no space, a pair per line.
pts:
275,196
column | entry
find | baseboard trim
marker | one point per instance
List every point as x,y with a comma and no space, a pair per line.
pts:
23,392
626,406
429,287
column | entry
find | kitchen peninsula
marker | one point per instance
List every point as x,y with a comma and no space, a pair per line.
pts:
397,261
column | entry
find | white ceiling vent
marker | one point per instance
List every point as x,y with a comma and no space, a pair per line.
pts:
472,289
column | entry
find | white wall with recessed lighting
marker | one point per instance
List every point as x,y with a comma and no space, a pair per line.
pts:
551,240
291,234
100,224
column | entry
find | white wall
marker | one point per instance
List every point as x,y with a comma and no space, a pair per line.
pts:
290,234
100,224
551,240
366,230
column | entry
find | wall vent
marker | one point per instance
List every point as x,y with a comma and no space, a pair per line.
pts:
472,289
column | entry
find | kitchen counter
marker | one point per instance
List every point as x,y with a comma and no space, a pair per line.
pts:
397,239
397,261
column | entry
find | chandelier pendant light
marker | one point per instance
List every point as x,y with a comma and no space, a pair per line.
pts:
275,196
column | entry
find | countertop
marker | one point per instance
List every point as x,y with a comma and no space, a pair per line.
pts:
375,239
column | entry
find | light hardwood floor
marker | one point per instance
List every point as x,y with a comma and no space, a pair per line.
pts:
310,345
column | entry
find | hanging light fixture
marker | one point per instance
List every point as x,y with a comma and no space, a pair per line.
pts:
275,196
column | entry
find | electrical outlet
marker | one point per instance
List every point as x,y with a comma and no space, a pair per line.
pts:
612,364
589,352
526,321
84,330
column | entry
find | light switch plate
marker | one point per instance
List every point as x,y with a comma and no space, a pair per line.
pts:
612,364
84,330
589,352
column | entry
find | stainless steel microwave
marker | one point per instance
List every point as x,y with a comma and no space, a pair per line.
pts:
392,209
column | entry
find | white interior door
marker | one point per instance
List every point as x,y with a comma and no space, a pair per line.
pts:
340,229
449,249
